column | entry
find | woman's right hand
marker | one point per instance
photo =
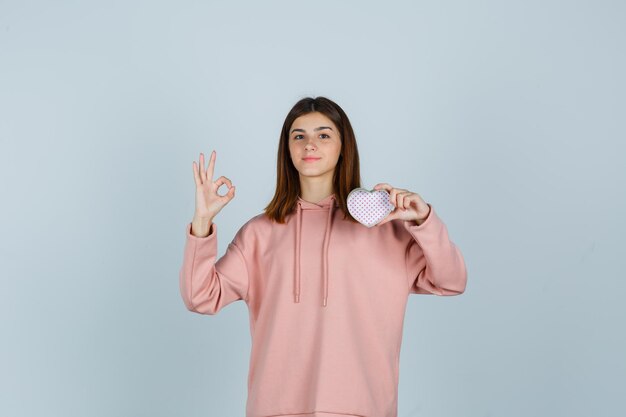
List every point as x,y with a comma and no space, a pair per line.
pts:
208,201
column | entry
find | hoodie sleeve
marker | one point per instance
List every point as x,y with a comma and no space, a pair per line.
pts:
207,286
433,262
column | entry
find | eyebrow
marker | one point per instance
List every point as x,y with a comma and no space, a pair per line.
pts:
316,129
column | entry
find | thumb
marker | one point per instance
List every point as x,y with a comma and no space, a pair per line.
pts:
382,222
390,217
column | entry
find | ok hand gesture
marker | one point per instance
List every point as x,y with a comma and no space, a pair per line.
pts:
208,201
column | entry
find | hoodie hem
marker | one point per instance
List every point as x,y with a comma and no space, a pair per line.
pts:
315,414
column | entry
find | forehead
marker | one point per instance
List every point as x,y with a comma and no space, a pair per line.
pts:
311,120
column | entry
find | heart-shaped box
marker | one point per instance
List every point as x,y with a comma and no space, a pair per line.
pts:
369,207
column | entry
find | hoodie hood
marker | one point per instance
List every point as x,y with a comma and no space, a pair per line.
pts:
328,203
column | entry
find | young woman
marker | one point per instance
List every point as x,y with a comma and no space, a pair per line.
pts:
326,294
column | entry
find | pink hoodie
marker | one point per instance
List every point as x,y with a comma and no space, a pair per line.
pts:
326,298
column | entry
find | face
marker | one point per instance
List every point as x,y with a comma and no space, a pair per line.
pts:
314,145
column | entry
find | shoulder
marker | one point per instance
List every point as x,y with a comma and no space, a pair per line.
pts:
258,222
254,229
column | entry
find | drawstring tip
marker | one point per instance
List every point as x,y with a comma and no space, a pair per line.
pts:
324,302
297,298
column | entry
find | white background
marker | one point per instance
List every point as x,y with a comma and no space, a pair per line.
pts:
507,116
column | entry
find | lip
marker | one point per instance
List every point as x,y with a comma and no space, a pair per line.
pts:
310,158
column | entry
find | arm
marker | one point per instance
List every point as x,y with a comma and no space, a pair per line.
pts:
207,286
433,262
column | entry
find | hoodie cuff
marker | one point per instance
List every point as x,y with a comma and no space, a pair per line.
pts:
211,235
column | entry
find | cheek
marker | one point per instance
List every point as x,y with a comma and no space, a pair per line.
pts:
295,151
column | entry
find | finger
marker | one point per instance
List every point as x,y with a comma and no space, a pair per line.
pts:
196,174
399,200
211,166
383,186
224,180
412,200
398,197
408,199
202,170
231,193
219,182
393,197
403,200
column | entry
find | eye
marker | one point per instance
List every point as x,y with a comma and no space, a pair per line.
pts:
322,134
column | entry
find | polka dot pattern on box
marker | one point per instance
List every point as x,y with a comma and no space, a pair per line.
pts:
369,207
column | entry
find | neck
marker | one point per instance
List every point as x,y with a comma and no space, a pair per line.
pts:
315,197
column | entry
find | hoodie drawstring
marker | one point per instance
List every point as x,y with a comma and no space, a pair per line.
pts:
297,283
325,249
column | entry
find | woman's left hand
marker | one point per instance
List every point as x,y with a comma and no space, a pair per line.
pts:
408,205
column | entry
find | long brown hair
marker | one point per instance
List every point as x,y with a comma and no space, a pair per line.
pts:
347,174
